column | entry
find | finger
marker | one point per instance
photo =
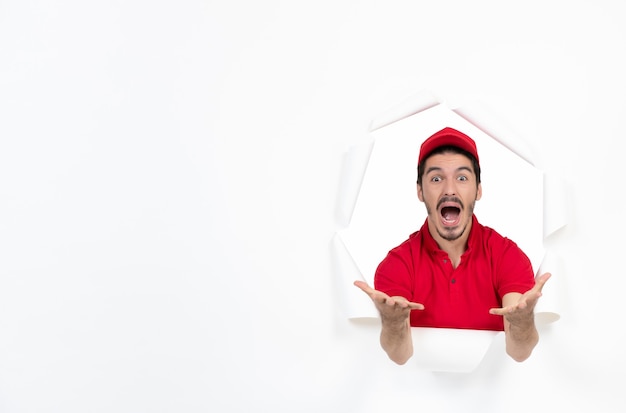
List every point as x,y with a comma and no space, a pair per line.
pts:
404,303
541,281
394,302
502,311
365,287
380,297
397,302
414,306
496,311
376,296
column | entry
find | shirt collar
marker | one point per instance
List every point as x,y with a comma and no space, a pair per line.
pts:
431,244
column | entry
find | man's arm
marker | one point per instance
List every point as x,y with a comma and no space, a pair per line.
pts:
395,333
519,320
397,342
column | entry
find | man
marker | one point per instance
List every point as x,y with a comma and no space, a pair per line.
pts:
454,272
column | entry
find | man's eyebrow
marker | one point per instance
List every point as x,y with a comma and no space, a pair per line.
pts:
432,168
459,169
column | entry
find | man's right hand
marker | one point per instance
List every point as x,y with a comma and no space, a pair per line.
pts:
393,310
395,335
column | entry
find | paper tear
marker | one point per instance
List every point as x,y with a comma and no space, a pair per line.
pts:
549,305
353,171
479,116
447,350
356,304
554,204
415,104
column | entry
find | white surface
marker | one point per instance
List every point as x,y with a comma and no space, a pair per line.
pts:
168,184
450,350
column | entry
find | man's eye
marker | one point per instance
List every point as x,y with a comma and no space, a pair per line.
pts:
462,178
435,179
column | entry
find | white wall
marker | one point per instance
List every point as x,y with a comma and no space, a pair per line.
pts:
168,184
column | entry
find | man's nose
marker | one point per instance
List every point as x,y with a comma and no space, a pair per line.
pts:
449,188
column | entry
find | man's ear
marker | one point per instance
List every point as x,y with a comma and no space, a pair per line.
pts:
420,195
479,192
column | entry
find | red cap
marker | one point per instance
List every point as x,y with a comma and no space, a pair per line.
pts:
447,137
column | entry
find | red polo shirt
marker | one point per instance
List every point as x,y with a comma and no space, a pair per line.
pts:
461,297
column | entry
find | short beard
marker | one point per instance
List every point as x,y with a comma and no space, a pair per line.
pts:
453,236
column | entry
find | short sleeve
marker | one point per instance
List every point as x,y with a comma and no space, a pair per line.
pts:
394,275
515,271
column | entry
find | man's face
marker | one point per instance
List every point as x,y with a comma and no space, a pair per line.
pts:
449,190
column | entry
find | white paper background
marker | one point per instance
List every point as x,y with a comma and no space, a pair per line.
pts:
169,176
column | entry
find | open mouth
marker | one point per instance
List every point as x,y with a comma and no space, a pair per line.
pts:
450,215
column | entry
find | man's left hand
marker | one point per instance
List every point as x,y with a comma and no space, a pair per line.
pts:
520,311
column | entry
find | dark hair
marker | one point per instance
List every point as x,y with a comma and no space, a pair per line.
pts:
453,149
